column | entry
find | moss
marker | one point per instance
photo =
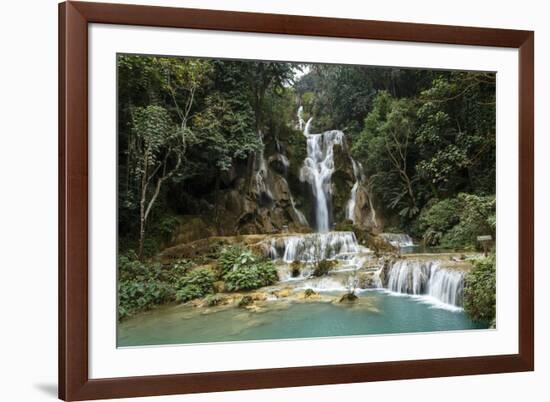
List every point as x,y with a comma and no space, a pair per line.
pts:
213,300
192,228
245,301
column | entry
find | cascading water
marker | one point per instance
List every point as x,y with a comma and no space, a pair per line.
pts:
318,168
313,247
426,278
317,171
350,207
261,176
398,239
404,276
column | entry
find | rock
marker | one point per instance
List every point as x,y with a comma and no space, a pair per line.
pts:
379,244
283,293
323,267
348,298
279,163
309,293
366,280
191,228
219,286
190,250
245,301
258,296
295,268
214,300
228,176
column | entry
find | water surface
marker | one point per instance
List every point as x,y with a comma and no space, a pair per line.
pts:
376,312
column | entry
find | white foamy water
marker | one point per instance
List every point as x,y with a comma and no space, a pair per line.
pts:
314,247
427,279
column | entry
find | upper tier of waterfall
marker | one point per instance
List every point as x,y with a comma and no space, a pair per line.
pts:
317,170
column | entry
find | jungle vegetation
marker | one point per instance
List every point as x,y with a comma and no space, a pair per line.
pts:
187,127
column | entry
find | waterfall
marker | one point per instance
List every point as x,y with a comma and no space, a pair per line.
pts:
299,214
350,207
317,171
447,286
313,247
301,122
398,239
426,278
260,167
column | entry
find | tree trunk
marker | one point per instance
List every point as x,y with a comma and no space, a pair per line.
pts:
141,238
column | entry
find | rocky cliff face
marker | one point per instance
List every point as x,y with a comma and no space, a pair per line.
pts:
270,193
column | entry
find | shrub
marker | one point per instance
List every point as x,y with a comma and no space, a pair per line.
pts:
142,285
195,284
136,296
480,290
436,220
243,270
456,222
251,276
233,257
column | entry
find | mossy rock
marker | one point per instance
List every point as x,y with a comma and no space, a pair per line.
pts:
191,228
348,298
214,300
245,301
323,267
309,293
295,269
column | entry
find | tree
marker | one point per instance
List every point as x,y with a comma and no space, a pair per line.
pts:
385,148
456,135
159,150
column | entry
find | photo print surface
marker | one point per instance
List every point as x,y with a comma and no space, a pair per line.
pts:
273,200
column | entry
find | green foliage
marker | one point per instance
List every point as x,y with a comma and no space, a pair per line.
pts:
437,219
386,149
142,285
456,222
234,257
252,276
243,270
480,290
195,284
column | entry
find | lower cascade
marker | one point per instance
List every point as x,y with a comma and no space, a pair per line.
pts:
426,278
404,276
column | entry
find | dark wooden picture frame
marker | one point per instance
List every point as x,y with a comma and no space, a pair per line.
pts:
74,381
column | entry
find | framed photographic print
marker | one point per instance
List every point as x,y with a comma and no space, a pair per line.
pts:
259,200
